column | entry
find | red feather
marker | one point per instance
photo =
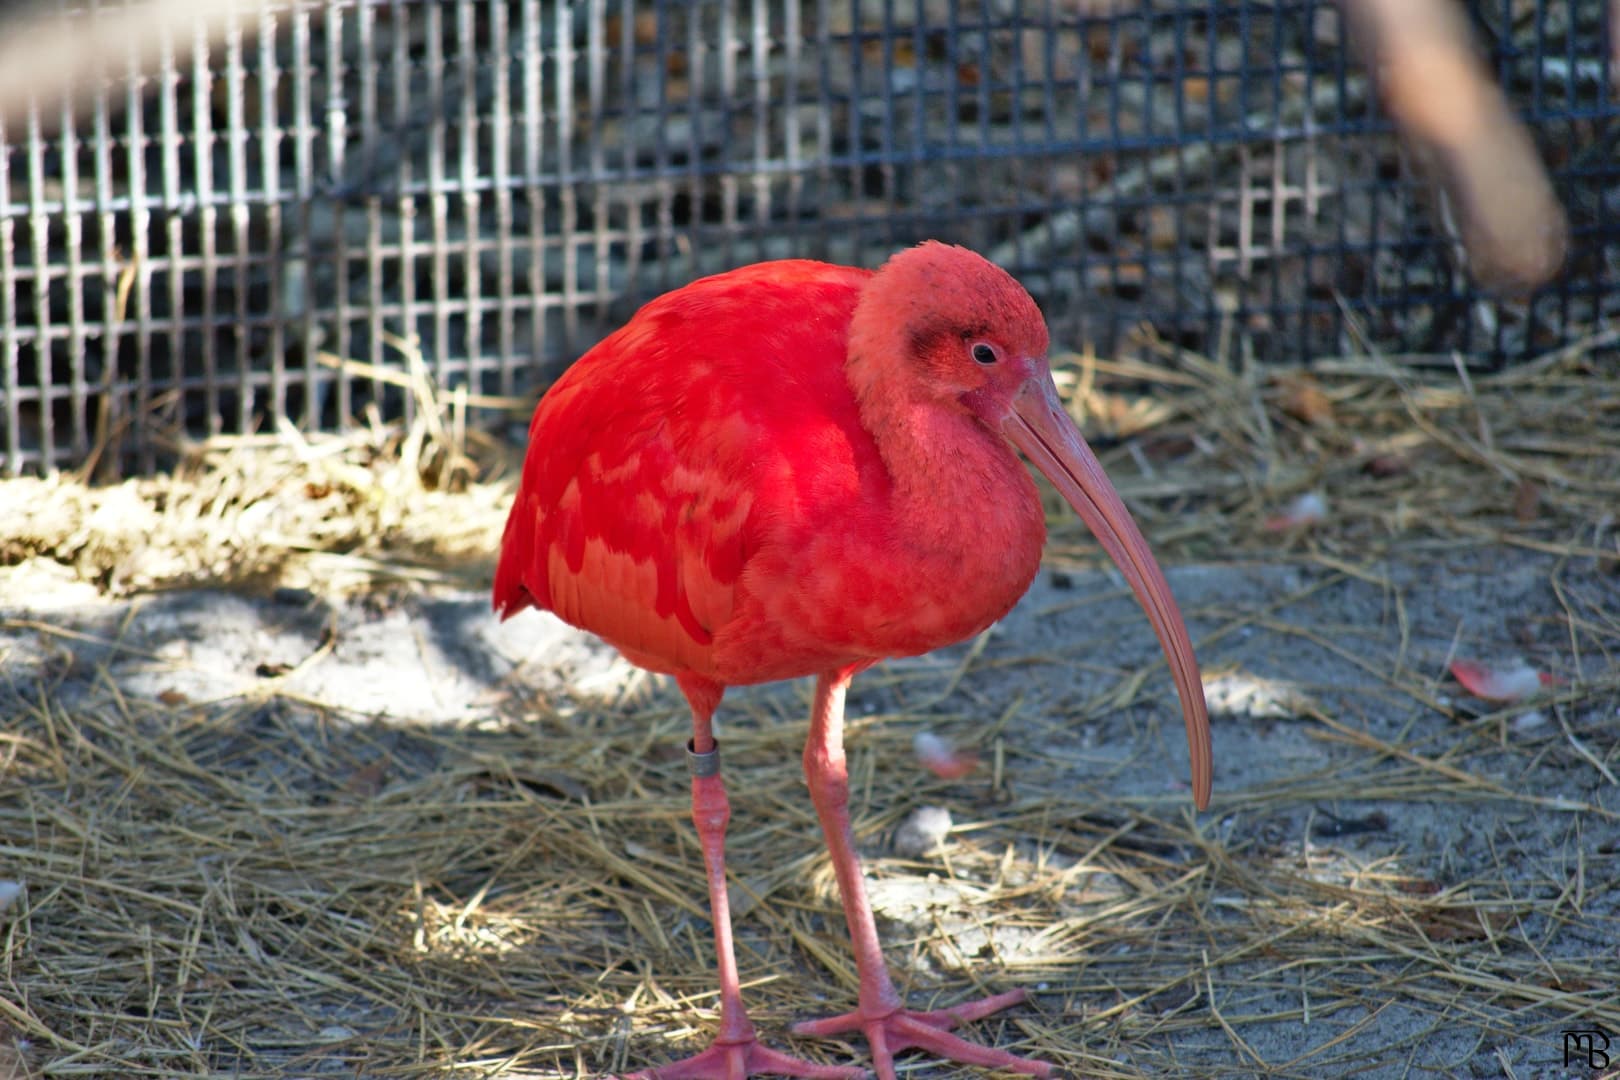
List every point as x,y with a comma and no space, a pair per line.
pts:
636,508
700,491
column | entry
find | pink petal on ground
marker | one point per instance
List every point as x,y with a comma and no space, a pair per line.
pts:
1508,682
939,758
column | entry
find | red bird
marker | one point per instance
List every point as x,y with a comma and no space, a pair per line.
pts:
803,469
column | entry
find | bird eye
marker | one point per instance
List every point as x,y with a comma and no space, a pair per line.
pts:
984,354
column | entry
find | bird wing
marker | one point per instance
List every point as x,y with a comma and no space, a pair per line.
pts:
653,458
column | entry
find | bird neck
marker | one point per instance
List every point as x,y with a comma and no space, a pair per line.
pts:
945,467
923,440
946,470
959,535
925,444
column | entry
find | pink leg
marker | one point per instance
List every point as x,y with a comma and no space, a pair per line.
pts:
735,1053
889,1027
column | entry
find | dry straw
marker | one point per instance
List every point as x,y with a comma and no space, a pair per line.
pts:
271,887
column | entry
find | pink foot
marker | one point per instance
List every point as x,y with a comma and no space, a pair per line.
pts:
739,1060
904,1029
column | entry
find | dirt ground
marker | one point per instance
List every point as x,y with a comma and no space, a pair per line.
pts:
390,836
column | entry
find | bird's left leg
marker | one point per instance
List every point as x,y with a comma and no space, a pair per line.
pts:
736,1052
881,1014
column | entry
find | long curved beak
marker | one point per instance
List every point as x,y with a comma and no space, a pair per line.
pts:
1043,431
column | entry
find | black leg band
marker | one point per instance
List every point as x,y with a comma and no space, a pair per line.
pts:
707,764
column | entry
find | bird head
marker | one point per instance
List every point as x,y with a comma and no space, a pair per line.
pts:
942,325
962,331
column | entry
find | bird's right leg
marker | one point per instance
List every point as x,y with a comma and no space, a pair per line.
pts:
736,1052
879,1011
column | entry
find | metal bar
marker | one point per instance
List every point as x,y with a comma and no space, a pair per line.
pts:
78,444
469,128
596,89
240,215
500,49
269,73
39,228
140,218
567,194
10,350
438,209
335,124
407,201
534,200
373,138
762,116
664,234
174,219
726,48
301,291
112,262
634,236
202,164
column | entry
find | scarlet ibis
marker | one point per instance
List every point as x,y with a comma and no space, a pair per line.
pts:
796,468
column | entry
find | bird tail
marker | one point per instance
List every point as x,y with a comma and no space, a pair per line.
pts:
510,595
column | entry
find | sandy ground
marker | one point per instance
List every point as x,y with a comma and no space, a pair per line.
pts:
1314,673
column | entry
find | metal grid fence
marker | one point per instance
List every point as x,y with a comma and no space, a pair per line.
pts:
226,238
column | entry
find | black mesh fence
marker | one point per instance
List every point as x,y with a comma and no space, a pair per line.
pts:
280,214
